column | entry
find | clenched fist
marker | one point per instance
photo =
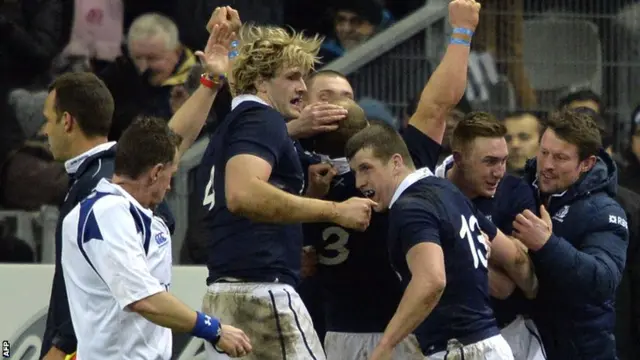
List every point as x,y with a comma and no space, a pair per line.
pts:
464,14
225,15
234,342
354,213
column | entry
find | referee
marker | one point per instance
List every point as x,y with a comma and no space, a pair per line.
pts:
78,110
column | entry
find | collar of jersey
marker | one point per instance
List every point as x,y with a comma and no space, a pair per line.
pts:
408,181
106,186
74,164
246,97
441,170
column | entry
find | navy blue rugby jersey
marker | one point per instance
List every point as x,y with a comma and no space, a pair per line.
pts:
360,290
432,209
512,197
238,247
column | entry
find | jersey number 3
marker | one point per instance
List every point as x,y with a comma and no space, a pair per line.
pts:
468,230
209,192
339,246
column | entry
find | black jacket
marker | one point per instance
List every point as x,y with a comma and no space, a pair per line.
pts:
59,330
628,297
580,267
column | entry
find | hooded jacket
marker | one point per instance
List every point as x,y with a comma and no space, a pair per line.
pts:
581,265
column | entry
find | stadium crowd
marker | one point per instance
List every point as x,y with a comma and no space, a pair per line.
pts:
562,274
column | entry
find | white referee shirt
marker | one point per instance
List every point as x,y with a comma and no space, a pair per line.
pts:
114,253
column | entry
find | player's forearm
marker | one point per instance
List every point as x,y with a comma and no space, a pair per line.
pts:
262,202
166,310
419,299
191,117
444,90
522,272
500,285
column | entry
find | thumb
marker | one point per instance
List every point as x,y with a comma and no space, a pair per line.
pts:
371,202
200,55
545,214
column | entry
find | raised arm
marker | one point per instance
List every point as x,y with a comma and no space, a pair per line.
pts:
191,116
447,84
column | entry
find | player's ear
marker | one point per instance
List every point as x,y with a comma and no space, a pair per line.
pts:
154,173
260,85
457,157
398,162
587,164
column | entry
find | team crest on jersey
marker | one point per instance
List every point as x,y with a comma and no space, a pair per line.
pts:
561,214
161,238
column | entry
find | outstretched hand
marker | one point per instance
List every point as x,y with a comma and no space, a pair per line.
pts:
215,57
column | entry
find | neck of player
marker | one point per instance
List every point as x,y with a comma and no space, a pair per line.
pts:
457,178
81,144
137,188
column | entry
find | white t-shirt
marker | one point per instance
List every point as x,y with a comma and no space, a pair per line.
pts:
114,253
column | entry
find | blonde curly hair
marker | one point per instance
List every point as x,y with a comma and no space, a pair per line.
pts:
264,50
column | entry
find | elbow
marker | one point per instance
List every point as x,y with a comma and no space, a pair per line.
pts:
236,201
143,306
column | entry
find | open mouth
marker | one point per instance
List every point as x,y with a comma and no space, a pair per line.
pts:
297,102
369,193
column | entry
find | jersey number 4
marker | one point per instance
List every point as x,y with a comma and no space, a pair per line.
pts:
209,192
339,246
470,230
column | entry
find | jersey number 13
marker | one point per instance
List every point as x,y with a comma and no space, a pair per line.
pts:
470,230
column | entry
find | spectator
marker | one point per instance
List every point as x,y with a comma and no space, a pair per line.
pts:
523,134
582,98
30,37
149,80
354,22
630,170
96,32
29,176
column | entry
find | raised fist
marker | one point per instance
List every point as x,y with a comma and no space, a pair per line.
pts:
464,14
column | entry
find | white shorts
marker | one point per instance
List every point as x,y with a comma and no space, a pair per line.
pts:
360,346
493,348
524,339
273,317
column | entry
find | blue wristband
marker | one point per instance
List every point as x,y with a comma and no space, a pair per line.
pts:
207,328
463,31
460,42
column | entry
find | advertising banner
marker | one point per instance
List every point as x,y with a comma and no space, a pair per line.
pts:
25,296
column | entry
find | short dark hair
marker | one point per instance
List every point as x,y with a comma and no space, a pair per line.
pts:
580,95
332,143
87,99
382,139
539,115
325,72
606,130
148,141
578,128
474,125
